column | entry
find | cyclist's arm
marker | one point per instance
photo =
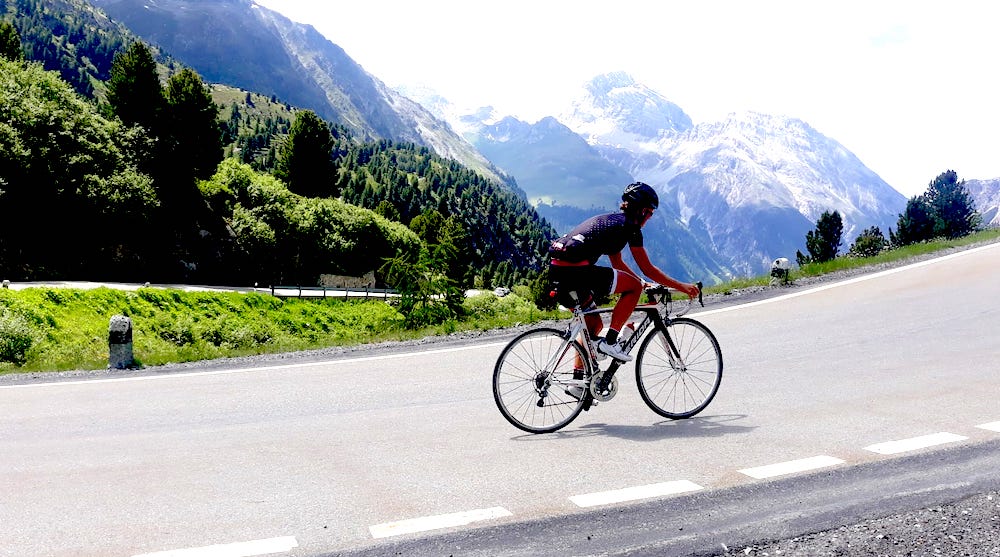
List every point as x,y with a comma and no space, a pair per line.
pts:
654,272
618,262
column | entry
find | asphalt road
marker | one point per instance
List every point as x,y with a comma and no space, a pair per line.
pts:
837,404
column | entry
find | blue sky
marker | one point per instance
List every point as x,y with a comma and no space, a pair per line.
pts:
907,86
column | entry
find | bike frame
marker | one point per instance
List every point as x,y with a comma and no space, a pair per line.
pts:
578,327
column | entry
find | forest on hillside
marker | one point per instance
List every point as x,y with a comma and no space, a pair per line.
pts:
120,164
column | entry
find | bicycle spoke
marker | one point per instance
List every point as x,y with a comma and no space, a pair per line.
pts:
538,363
679,385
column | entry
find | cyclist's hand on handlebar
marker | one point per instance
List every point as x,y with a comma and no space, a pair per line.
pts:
691,290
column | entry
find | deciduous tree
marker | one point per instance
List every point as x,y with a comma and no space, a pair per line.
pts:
69,180
869,243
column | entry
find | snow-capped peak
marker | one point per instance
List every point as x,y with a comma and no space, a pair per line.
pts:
614,110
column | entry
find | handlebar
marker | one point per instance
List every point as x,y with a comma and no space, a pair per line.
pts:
663,295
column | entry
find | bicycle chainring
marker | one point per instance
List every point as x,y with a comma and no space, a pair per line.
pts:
606,395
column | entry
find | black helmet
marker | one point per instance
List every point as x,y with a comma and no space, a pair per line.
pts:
640,195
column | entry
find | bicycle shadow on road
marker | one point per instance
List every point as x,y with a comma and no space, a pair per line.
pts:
701,426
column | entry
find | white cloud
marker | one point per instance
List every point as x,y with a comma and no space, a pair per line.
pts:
905,85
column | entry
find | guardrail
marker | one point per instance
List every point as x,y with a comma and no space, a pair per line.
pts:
333,292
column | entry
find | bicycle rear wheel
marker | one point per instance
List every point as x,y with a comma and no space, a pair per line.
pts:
535,378
679,384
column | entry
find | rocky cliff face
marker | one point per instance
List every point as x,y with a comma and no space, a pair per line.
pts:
245,45
986,195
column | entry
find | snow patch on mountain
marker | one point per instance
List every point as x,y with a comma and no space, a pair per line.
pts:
986,195
615,111
764,175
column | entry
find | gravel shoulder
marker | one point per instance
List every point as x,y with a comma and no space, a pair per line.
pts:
969,527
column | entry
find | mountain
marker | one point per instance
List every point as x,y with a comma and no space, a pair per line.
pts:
747,188
205,241
553,165
245,45
614,110
986,195
759,183
755,183
567,181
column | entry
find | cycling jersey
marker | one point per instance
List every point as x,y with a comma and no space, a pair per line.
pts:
601,235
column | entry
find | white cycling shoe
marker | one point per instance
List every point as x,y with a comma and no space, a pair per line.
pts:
613,350
575,392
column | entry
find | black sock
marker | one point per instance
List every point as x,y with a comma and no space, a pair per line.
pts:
611,337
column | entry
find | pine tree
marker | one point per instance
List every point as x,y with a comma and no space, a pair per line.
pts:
387,210
133,91
916,224
952,205
10,42
304,161
824,242
194,133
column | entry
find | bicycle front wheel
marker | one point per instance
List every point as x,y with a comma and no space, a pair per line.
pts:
678,371
540,381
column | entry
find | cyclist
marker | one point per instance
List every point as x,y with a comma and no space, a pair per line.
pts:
574,257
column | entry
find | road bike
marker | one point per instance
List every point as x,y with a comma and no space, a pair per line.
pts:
545,377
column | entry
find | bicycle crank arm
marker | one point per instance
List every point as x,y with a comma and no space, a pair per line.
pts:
603,379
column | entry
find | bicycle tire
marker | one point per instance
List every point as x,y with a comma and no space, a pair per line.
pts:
679,389
519,380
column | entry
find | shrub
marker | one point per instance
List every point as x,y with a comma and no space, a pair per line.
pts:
869,243
235,333
178,331
16,337
427,315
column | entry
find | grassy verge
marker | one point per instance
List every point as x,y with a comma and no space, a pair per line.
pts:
56,329
845,263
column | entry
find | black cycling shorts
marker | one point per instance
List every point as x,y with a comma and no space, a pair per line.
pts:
588,281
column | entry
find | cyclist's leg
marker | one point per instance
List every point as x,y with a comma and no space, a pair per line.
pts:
630,288
580,280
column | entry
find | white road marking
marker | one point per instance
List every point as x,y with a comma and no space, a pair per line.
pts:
426,523
241,549
791,467
847,282
915,443
634,493
992,426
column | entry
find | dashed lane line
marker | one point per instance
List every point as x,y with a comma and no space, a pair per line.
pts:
915,443
992,426
438,522
676,487
634,493
791,467
240,549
